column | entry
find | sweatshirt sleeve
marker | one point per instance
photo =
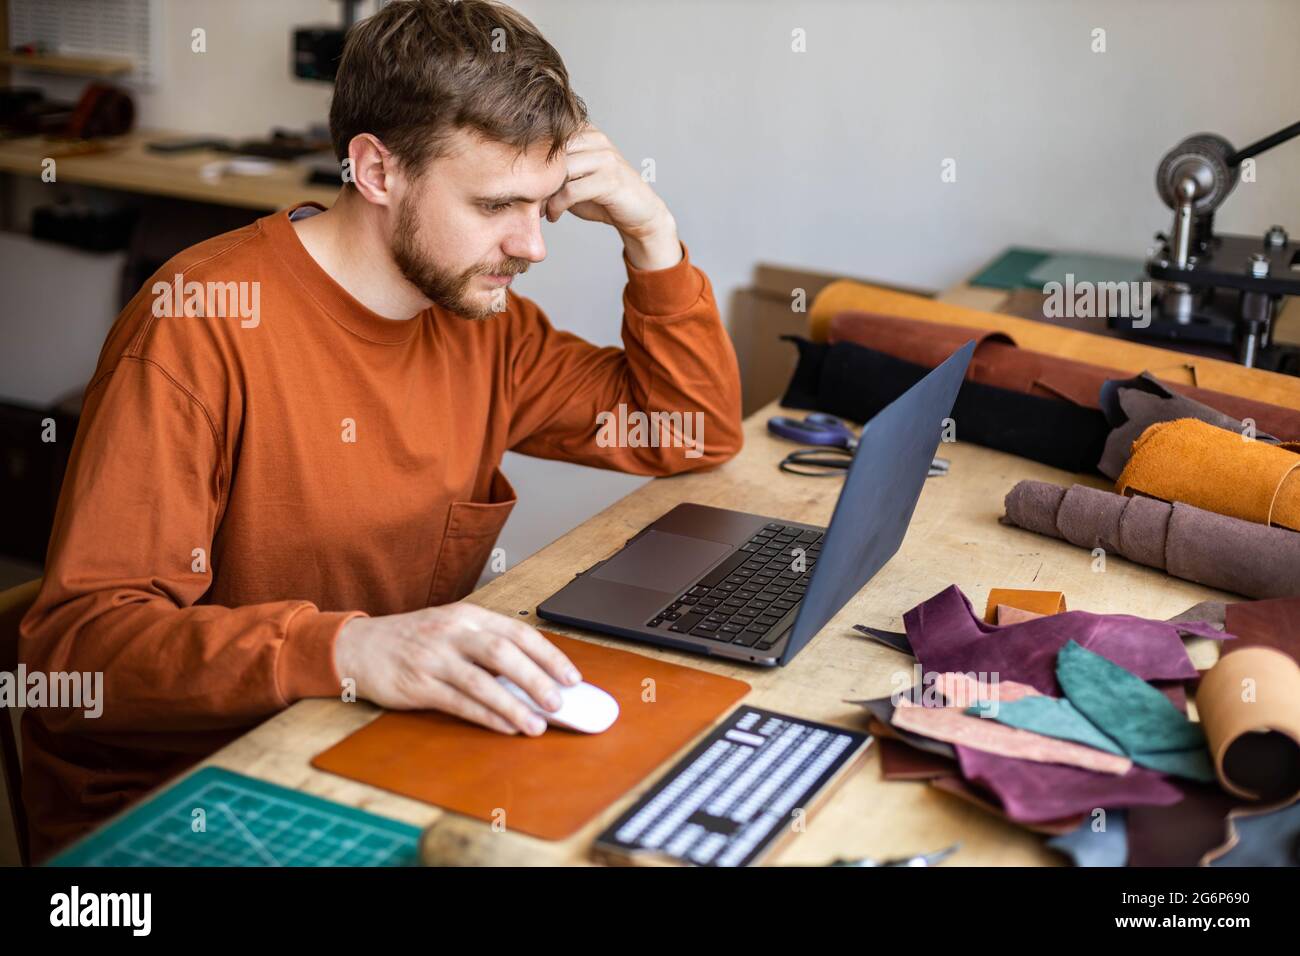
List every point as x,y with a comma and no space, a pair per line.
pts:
129,557
668,401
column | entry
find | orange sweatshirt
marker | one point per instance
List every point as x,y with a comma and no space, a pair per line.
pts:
240,486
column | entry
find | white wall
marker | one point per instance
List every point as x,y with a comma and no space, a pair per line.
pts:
830,159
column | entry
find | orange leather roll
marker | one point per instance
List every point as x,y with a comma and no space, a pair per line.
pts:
1190,461
1000,362
1176,368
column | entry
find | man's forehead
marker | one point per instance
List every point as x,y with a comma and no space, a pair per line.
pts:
491,168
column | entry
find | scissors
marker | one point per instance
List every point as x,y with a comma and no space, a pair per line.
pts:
835,443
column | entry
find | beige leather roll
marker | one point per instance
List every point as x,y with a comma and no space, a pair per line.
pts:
1249,705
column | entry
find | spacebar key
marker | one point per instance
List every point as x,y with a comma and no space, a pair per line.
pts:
723,570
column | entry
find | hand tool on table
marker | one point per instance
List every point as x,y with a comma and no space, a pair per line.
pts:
835,443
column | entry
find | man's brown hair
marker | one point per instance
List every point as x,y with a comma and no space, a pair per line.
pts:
420,69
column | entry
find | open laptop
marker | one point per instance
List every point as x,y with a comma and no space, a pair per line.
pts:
757,589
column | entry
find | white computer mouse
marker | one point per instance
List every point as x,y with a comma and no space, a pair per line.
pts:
584,707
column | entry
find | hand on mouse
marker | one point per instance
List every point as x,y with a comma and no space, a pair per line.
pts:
446,658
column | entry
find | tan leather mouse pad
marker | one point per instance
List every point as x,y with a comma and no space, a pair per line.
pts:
547,786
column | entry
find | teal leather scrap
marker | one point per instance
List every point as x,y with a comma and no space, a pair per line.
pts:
1049,716
1128,710
1110,709
1124,706
1192,764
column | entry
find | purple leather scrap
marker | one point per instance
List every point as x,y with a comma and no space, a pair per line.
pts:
947,635
1033,792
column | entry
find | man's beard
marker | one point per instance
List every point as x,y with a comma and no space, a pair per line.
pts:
442,287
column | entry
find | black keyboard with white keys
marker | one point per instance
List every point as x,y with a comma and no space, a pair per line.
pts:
745,598
729,800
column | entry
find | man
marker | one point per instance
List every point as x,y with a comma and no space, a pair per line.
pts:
289,499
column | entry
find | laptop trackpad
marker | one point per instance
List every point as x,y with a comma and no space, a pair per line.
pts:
662,562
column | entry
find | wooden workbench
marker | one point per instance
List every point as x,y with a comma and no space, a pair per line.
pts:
125,164
954,538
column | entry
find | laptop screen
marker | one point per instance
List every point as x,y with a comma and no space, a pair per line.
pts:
880,492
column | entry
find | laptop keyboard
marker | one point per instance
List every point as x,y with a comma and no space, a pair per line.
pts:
746,596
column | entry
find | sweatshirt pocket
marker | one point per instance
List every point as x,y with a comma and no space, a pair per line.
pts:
471,531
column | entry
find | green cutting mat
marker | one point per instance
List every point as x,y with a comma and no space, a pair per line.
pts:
1085,268
1021,268
246,822
1011,269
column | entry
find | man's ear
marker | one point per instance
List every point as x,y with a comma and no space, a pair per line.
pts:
373,169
